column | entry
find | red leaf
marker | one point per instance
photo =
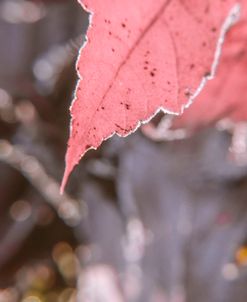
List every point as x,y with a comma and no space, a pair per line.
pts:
141,56
226,95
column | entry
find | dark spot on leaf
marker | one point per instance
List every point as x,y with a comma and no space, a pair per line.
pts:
127,106
188,93
147,53
88,146
213,29
192,66
207,8
103,108
152,74
118,126
240,54
123,25
113,50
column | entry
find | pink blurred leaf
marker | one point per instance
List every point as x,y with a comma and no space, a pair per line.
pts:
226,95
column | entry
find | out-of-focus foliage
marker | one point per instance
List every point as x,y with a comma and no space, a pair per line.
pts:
141,221
37,245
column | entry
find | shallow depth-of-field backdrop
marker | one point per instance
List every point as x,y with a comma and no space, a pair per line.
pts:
141,221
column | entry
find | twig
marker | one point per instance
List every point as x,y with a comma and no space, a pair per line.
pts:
67,208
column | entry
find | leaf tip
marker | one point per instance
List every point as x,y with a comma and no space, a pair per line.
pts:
64,182
67,172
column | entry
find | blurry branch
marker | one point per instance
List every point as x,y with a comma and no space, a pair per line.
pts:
134,246
13,239
67,208
238,130
239,143
49,67
163,132
25,113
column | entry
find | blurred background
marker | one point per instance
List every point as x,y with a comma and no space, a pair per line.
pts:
141,220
